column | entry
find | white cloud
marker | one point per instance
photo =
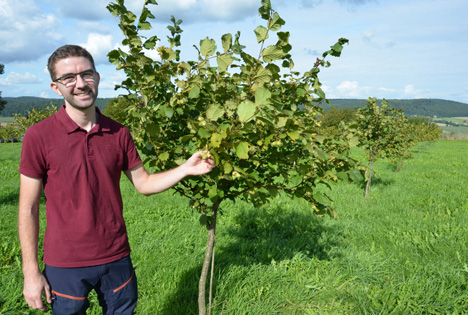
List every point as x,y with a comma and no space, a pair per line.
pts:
386,89
18,78
88,10
26,32
98,45
203,10
350,89
44,95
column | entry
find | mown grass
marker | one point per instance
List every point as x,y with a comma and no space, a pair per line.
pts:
403,251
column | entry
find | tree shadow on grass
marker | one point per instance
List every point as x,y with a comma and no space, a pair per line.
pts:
259,236
9,198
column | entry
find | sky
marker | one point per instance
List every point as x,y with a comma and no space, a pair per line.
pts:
398,49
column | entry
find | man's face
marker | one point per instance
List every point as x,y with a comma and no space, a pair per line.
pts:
81,94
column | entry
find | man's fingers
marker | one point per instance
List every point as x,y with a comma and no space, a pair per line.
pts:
48,294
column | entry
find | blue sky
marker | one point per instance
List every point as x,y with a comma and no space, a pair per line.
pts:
398,49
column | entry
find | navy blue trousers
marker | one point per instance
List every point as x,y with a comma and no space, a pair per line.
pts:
115,284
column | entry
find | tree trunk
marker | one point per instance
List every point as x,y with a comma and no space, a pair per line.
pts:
209,254
369,179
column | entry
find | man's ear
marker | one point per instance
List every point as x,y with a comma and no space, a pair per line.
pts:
55,88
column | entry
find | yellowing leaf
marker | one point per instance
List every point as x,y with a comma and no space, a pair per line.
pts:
242,150
227,168
294,135
207,47
164,156
216,139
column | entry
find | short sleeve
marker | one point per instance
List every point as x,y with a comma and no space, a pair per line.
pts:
132,158
33,161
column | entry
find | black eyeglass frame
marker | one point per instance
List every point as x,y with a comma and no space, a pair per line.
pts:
76,75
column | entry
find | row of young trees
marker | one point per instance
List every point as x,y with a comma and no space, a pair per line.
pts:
383,132
15,131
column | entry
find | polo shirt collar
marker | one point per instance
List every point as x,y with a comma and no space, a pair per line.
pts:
70,126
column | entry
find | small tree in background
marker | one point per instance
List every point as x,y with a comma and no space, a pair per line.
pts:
117,109
381,131
2,101
22,123
260,125
334,120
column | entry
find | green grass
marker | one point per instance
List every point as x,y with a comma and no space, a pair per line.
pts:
7,119
403,251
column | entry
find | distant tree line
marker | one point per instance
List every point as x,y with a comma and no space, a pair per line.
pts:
414,107
418,107
22,105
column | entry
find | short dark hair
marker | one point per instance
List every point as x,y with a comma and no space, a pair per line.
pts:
65,52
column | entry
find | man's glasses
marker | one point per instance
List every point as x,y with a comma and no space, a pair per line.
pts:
69,79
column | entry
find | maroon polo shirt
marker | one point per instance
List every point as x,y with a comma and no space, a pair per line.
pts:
81,173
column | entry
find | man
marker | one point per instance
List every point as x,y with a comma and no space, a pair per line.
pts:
78,156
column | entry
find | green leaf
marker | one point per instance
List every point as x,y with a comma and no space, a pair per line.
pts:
202,132
246,111
194,92
169,112
242,150
214,112
343,176
224,61
207,47
322,198
296,180
276,22
263,75
144,26
227,168
203,219
262,33
356,176
265,9
261,96
272,53
294,135
226,39
354,141
164,156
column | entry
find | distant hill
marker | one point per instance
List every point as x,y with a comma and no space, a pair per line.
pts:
420,107
21,105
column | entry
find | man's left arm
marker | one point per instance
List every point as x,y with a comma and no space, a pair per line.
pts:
149,184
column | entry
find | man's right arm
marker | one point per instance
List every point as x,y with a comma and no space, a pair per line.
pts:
28,229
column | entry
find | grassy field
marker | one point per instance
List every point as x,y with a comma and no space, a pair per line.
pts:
7,119
403,251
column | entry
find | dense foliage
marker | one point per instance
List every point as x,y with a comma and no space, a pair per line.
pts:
255,114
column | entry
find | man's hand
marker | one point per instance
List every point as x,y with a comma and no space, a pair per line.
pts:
199,163
34,285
